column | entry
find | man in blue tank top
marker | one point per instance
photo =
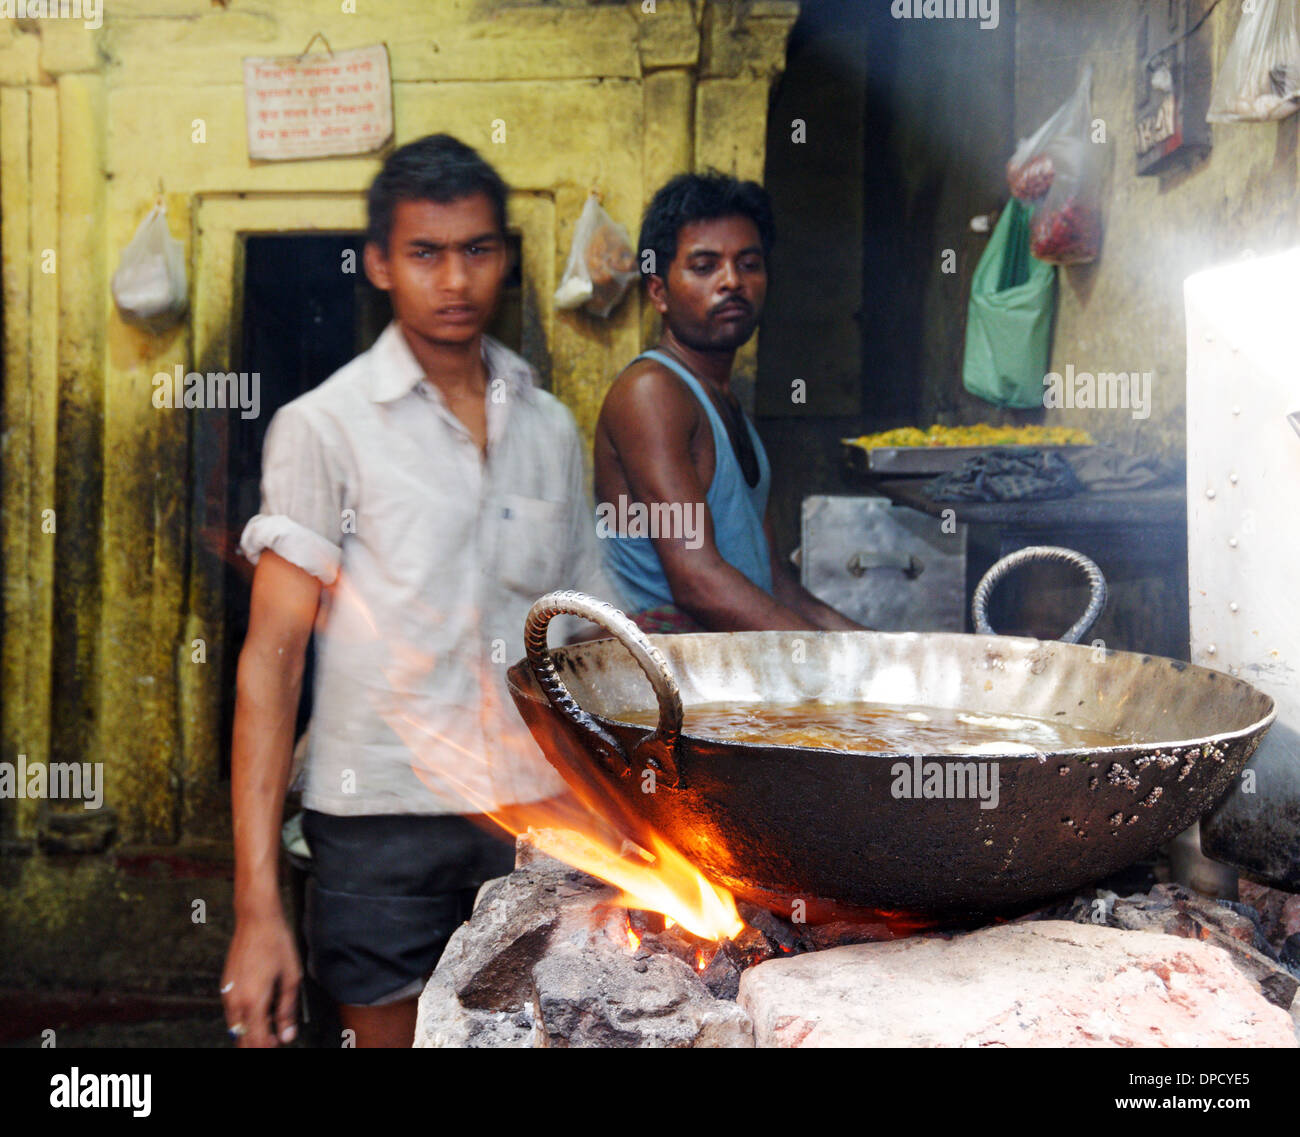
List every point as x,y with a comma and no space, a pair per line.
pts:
681,475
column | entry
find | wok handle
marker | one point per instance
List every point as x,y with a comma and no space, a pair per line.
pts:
658,748
1097,582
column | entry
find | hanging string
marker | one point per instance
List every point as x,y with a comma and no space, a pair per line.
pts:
318,36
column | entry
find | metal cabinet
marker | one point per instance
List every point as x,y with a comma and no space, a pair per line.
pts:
889,567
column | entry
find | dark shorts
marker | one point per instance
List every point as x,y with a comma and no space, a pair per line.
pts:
385,894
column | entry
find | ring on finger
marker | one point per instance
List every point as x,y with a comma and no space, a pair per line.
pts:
237,1031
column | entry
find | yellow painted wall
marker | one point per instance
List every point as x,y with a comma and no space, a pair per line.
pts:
100,613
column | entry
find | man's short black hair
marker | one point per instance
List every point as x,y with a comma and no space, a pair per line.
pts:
702,197
437,168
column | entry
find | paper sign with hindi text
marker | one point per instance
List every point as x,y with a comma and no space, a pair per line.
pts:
318,106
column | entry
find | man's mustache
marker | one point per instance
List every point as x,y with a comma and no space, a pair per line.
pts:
743,305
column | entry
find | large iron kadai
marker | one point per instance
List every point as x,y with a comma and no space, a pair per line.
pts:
776,824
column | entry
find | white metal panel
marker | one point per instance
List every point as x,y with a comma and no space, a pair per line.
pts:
1243,504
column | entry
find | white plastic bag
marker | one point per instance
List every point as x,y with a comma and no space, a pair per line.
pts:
1058,170
602,263
1260,80
149,285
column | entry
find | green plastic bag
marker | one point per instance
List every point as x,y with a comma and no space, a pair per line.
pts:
1009,321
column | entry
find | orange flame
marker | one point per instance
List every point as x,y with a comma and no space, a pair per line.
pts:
669,883
659,879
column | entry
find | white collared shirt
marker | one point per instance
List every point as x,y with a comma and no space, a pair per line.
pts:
433,555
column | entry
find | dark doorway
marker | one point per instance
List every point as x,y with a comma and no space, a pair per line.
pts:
884,138
307,310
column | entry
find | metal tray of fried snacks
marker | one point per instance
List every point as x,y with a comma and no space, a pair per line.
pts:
908,461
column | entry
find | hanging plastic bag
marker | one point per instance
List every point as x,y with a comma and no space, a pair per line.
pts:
1009,320
1058,169
149,285
602,263
1260,79
1032,169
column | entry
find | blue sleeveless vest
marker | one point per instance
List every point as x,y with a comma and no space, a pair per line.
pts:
736,509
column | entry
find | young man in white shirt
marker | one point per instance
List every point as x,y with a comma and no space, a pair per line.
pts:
413,507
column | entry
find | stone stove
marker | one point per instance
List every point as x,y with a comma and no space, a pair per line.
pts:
551,959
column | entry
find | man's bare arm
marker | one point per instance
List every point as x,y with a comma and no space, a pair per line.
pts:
262,964
649,416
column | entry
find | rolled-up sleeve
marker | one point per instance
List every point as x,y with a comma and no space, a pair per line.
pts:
303,495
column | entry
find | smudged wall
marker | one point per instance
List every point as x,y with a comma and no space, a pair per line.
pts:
105,597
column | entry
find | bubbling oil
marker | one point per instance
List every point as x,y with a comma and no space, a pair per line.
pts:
879,728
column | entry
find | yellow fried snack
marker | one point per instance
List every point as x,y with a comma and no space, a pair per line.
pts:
982,434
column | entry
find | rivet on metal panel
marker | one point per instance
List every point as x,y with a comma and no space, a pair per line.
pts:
1210,649
1232,607
1236,410
1232,542
1232,478
1210,494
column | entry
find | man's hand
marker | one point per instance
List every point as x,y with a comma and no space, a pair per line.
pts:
261,966
787,589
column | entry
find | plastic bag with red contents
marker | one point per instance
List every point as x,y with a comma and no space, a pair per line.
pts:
1032,168
1062,167
1067,232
